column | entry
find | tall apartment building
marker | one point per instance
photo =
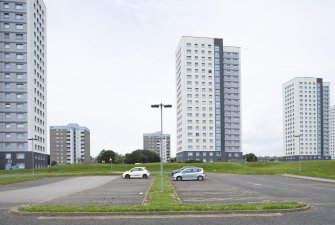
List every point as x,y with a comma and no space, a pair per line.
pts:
306,119
152,142
332,130
208,100
23,84
69,144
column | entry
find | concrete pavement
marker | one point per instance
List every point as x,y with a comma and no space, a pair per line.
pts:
54,190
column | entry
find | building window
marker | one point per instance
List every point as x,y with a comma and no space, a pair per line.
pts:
19,46
19,26
21,165
18,6
20,145
19,56
6,5
8,156
19,36
19,66
19,16
6,25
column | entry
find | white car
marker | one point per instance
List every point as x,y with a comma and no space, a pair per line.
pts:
136,172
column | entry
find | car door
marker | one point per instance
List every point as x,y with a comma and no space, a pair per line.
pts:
187,174
134,172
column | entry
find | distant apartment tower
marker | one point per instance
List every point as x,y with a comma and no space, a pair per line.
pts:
23,84
332,130
69,144
208,100
306,119
152,142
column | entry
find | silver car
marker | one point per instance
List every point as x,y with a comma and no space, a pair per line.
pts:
190,174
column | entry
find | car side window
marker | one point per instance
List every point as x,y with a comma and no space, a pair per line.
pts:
140,169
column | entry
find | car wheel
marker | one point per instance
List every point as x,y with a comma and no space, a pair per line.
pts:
200,178
127,176
179,179
145,176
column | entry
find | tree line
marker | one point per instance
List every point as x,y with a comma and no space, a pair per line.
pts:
137,156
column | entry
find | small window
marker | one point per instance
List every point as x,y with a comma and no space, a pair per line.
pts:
19,26
19,46
19,56
6,15
19,36
8,156
21,165
18,6
7,45
6,26
19,16
20,145
6,5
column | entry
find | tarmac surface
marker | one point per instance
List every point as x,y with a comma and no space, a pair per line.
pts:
87,190
233,188
319,194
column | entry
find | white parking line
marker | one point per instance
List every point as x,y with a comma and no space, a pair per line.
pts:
255,184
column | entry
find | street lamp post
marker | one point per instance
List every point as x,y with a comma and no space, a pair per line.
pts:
298,136
32,154
161,140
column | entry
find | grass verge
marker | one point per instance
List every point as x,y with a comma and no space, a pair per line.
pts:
161,201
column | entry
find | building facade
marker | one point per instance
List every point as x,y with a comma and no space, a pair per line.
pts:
306,119
208,100
69,144
23,84
332,130
152,142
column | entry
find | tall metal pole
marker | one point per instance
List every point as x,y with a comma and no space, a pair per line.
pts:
299,167
299,155
161,149
161,140
32,154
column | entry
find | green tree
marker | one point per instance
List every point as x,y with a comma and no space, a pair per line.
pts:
119,159
106,155
251,157
141,156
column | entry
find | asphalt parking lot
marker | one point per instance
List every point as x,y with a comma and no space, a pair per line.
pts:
116,192
88,190
233,188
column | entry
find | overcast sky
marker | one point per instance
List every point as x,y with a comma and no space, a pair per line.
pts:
109,60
